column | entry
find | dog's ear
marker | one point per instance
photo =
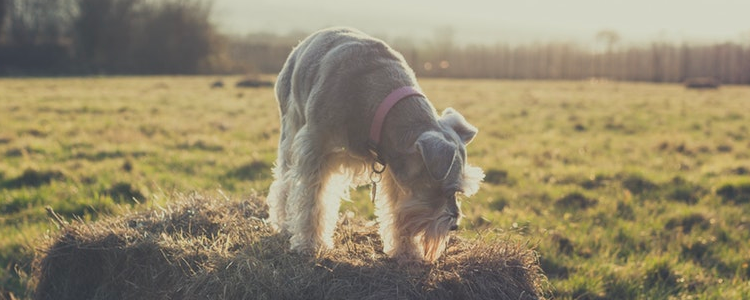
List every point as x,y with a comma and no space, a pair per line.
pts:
454,120
438,154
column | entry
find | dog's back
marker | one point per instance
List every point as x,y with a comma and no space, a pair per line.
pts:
339,67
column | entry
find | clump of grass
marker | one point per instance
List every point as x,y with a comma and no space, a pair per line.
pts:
564,244
37,132
127,166
637,184
697,251
627,244
496,176
250,171
678,189
683,191
202,248
34,178
23,151
661,276
594,182
201,145
554,268
688,222
625,210
125,192
735,193
741,170
5,139
724,148
575,201
499,204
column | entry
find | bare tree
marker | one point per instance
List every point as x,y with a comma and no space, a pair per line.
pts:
177,37
35,21
104,33
609,38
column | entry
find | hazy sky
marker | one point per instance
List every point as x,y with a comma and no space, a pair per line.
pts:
499,20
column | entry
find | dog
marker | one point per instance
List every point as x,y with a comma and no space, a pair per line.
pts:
330,92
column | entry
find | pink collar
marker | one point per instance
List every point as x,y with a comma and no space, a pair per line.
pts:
377,121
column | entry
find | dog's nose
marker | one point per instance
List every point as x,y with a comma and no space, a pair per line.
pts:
454,227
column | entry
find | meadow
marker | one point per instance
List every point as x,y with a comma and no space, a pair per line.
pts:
625,190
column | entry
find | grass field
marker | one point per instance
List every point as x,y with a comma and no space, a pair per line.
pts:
626,190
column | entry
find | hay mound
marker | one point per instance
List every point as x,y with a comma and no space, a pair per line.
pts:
201,248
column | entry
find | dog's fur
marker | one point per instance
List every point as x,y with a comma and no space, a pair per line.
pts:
328,92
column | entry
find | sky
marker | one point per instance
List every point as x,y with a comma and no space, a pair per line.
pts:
492,21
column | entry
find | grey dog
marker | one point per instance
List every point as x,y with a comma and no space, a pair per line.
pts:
330,91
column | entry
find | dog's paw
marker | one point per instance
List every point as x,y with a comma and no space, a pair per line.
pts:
304,251
408,257
276,227
308,247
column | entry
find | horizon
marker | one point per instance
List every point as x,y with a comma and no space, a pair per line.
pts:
490,22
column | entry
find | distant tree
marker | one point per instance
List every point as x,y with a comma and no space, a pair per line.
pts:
176,37
141,36
685,63
657,57
104,33
35,21
609,38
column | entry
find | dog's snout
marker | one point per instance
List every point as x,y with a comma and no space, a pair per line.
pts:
454,227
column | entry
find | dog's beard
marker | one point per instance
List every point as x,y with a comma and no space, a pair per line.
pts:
429,227
433,234
434,239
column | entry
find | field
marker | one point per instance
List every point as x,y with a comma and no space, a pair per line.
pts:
625,190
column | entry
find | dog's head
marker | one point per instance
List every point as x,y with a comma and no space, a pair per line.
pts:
432,178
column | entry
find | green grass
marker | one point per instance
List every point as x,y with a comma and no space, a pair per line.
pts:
627,190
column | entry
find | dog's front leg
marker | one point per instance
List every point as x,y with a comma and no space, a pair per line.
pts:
395,229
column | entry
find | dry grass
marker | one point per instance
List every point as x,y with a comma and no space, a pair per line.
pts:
203,248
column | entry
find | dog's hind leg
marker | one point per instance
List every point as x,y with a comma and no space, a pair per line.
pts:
307,212
291,121
279,190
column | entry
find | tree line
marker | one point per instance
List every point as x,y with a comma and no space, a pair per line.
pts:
107,37
176,37
660,61
728,63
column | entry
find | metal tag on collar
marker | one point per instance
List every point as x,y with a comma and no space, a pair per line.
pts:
376,169
375,177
